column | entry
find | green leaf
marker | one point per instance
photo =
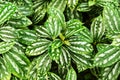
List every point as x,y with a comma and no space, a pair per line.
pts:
77,45
97,29
54,49
6,46
16,62
72,4
4,73
71,75
101,46
58,14
6,12
19,22
59,4
27,37
53,26
111,72
111,18
107,56
24,6
42,31
82,59
7,33
65,58
53,76
40,7
73,26
38,47
83,7
39,68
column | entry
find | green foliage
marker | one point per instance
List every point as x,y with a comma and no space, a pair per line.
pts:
59,40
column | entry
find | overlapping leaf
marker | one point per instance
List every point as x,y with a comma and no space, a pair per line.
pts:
5,46
107,56
97,29
72,4
55,50
16,62
4,73
111,72
27,36
71,75
6,12
39,68
7,33
111,18
59,4
38,47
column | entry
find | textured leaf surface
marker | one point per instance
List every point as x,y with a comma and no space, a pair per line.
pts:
19,22
4,73
27,36
82,59
53,76
72,4
65,58
77,45
53,26
71,75
111,18
111,72
38,47
5,46
42,31
39,7
74,26
59,4
97,29
39,68
107,56
6,12
17,62
54,50
7,33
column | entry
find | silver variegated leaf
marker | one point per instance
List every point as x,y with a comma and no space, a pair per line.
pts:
111,72
107,56
27,37
38,47
71,75
16,62
97,28
4,73
59,4
82,59
19,22
40,8
72,4
83,7
6,46
65,58
111,18
42,32
24,6
6,11
7,33
53,26
55,49
74,26
57,13
53,76
39,68
77,45
101,46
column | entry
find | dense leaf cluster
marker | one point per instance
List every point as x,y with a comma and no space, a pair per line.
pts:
59,39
